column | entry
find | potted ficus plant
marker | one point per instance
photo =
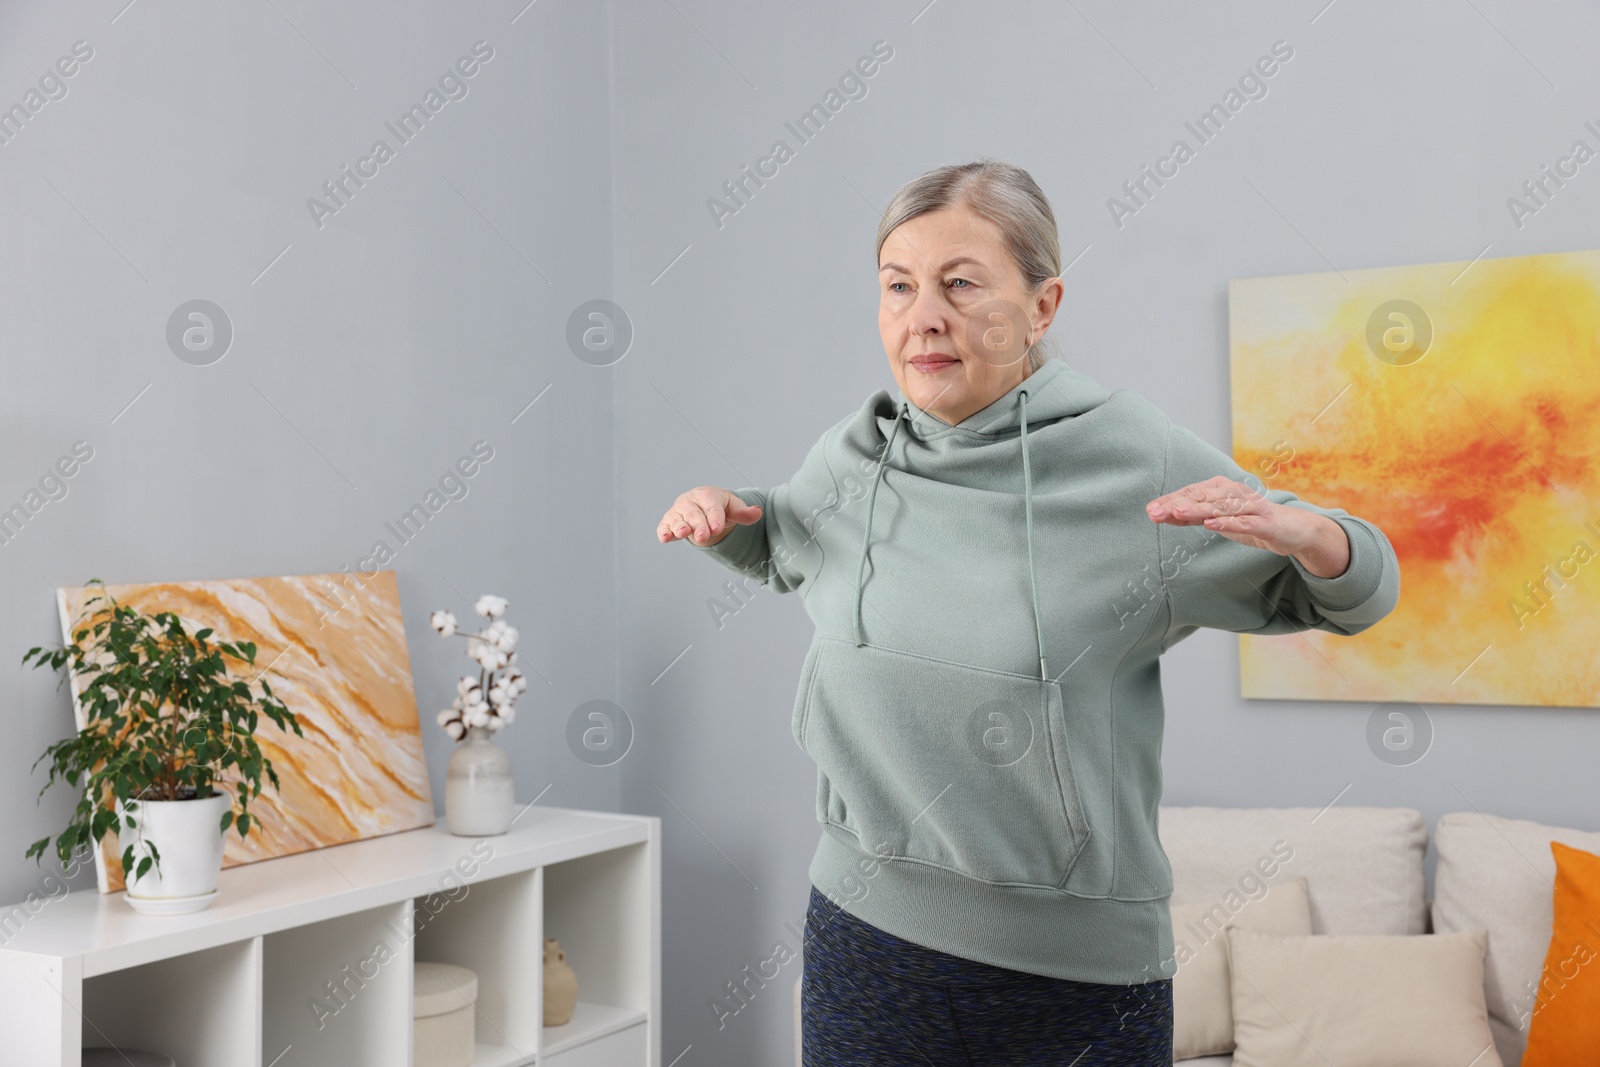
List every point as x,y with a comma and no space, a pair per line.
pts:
167,757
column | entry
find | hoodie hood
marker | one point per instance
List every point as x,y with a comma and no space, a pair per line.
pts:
1055,391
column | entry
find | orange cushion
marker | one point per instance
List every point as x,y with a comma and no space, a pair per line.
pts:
1566,1018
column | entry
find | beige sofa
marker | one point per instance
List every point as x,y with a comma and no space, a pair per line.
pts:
1364,875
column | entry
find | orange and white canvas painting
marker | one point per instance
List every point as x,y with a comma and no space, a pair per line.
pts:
1454,405
336,656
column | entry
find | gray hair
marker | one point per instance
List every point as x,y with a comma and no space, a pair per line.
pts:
1007,196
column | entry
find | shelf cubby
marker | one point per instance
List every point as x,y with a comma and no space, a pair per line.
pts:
491,927
597,907
307,960
218,988
334,992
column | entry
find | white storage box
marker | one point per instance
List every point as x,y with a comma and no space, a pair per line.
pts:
443,1015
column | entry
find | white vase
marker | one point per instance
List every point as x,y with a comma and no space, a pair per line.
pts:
478,787
187,835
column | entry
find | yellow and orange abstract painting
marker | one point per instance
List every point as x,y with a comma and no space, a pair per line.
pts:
1456,406
336,656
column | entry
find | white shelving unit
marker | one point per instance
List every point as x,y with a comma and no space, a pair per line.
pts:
306,960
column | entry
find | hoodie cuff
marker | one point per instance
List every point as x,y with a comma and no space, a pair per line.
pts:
1360,579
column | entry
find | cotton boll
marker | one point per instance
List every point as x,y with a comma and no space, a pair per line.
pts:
508,713
498,695
490,607
467,682
444,622
489,657
501,635
479,718
455,729
495,725
446,715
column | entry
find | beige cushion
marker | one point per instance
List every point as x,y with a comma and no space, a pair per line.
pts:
1359,1000
1363,865
1498,875
1202,990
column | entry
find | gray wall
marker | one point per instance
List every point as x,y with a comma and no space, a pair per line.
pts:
371,355
1393,136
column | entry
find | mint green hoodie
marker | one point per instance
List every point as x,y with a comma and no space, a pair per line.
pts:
983,693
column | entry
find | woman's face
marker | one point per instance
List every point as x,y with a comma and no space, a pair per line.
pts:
954,312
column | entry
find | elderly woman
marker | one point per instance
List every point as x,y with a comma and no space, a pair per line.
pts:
994,564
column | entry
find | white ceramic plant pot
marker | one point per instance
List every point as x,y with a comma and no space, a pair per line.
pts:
188,836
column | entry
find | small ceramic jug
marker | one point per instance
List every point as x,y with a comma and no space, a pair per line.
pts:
560,985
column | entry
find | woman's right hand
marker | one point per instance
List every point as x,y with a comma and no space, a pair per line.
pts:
705,515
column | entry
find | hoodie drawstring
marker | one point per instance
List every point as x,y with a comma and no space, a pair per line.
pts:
1027,507
1027,503
872,498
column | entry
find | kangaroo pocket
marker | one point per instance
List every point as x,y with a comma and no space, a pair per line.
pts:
940,763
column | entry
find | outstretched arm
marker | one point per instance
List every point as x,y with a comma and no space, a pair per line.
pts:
1250,559
767,534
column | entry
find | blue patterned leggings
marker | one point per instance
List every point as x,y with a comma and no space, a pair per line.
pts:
870,999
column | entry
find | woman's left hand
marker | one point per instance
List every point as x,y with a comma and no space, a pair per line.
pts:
1241,514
